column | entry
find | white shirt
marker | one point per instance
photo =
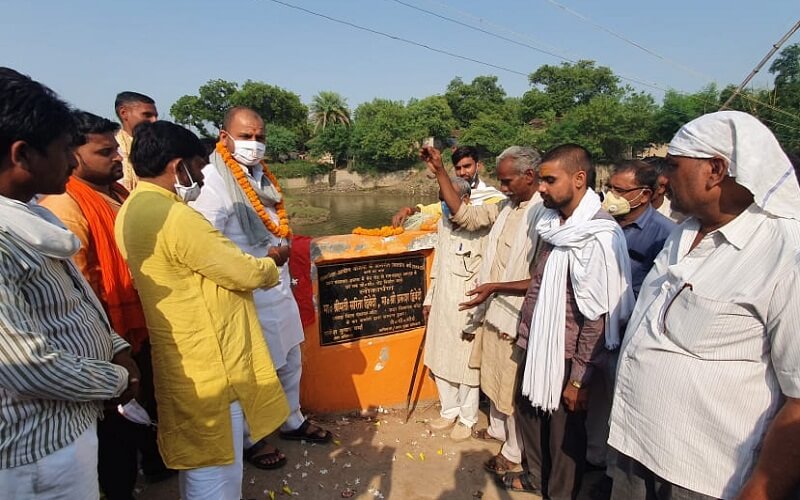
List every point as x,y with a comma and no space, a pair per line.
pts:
277,308
711,349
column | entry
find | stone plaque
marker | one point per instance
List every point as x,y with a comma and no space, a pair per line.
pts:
370,298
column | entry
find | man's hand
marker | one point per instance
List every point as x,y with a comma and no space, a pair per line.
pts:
575,399
479,294
426,311
401,216
432,158
124,359
279,254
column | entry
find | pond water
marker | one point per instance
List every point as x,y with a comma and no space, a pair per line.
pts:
350,210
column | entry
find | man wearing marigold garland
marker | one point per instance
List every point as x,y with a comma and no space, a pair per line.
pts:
242,199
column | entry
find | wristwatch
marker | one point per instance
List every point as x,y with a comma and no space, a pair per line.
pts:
576,384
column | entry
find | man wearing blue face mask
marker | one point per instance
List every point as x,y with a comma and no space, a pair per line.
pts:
243,200
214,380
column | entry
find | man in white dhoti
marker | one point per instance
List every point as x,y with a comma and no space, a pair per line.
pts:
504,276
242,199
447,348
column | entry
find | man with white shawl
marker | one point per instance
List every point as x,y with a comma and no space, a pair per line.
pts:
578,299
457,259
504,275
707,397
241,199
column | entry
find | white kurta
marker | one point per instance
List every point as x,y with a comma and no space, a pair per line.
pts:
277,308
454,273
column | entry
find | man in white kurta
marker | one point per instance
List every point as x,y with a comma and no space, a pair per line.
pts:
707,396
447,349
277,309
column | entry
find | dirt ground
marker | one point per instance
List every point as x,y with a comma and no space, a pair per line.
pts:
378,456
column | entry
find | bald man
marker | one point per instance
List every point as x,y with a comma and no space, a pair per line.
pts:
236,175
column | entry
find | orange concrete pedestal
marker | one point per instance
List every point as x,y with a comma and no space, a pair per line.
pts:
370,372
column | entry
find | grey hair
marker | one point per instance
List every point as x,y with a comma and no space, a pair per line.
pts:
462,186
523,158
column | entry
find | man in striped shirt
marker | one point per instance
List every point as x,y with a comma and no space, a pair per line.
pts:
707,396
59,358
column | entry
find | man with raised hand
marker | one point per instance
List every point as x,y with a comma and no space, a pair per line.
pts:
504,276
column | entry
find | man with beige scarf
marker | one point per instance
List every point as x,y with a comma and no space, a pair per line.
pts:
504,277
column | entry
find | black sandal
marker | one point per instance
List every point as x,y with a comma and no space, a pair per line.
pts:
301,434
265,461
526,486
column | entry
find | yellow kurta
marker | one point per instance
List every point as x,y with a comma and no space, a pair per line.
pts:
207,346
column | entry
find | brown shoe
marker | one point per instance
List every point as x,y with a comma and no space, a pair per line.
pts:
500,465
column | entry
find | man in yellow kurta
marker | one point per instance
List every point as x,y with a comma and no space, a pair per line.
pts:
214,378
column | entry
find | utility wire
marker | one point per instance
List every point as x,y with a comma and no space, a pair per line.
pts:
487,32
761,63
627,40
491,65
398,38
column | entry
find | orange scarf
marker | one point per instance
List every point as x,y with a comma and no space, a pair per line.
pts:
118,294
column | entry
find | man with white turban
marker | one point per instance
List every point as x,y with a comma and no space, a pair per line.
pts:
707,397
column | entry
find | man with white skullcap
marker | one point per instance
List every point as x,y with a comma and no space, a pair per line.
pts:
707,397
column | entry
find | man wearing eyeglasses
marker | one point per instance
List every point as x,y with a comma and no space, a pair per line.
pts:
707,395
630,190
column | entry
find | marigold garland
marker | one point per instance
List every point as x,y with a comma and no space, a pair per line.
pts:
280,230
380,231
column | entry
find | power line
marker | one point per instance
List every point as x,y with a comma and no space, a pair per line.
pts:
481,30
761,63
398,38
477,61
627,40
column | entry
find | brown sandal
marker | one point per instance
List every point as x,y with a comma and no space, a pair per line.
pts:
483,435
500,465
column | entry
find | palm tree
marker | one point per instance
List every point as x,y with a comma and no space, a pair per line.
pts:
328,108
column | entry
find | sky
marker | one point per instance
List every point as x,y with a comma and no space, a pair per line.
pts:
87,51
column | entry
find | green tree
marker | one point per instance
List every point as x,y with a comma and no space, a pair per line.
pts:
329,108
468,100
677,109
383,136
206,110
280,142
432,117
786,67
610,128
492,132
561,88
333,139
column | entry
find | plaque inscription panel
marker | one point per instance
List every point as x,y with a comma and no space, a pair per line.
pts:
370,298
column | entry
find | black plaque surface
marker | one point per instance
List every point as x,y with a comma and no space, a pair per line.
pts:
370,298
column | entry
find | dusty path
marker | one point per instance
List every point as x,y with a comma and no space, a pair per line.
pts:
375,457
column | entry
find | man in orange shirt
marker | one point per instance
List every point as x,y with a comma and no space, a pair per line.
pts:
88,209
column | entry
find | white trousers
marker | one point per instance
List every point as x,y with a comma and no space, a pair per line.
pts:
218,482
504,427
66,474
458,400
289,375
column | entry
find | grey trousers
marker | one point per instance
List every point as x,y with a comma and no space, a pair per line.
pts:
554,445
634,481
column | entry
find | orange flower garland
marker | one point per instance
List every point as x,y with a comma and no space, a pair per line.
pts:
281,230
384,231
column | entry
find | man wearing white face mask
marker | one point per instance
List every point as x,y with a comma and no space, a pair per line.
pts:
242,199
214,380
